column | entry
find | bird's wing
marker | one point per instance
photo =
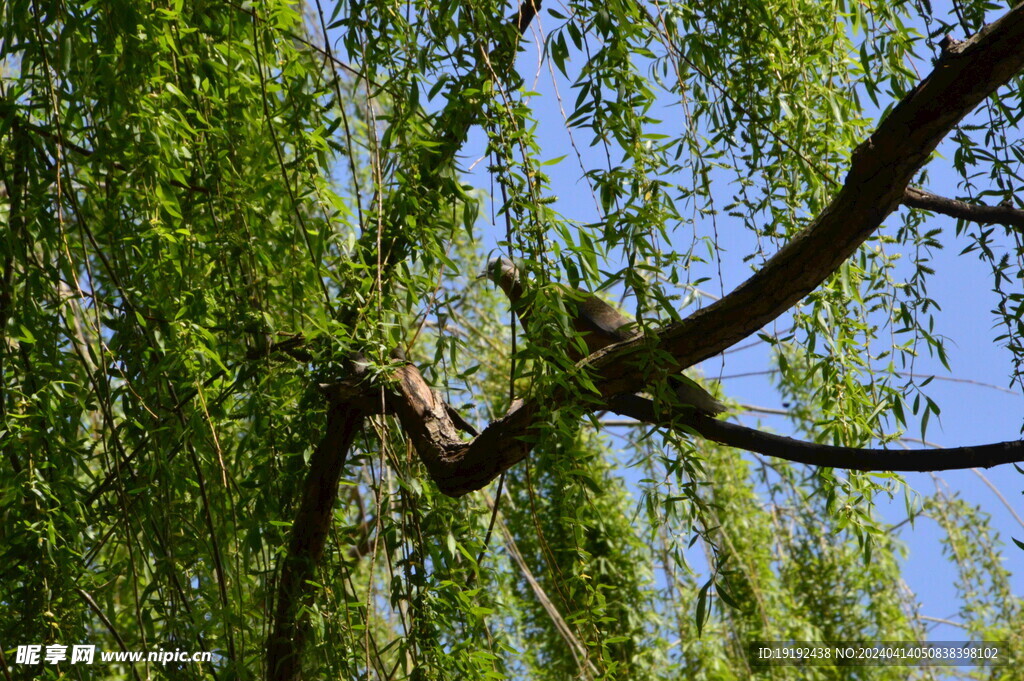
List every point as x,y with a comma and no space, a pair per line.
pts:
691,393
602,323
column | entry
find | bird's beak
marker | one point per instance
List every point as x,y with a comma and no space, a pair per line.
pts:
482,274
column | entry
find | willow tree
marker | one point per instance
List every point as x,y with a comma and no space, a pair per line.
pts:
254,402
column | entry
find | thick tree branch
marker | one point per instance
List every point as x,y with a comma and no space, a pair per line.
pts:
457,467
527,11
308,536
986,215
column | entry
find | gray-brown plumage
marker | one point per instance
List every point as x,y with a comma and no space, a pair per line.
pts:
598,323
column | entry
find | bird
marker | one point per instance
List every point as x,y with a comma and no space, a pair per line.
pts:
598,323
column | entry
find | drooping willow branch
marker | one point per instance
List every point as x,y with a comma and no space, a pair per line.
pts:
346,413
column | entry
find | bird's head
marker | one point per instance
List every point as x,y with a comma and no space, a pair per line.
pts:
501,271
505,274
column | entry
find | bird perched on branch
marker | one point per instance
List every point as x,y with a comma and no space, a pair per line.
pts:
598,323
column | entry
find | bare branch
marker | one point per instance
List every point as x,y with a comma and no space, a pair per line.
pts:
462,467
986,215
851,458
457,467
